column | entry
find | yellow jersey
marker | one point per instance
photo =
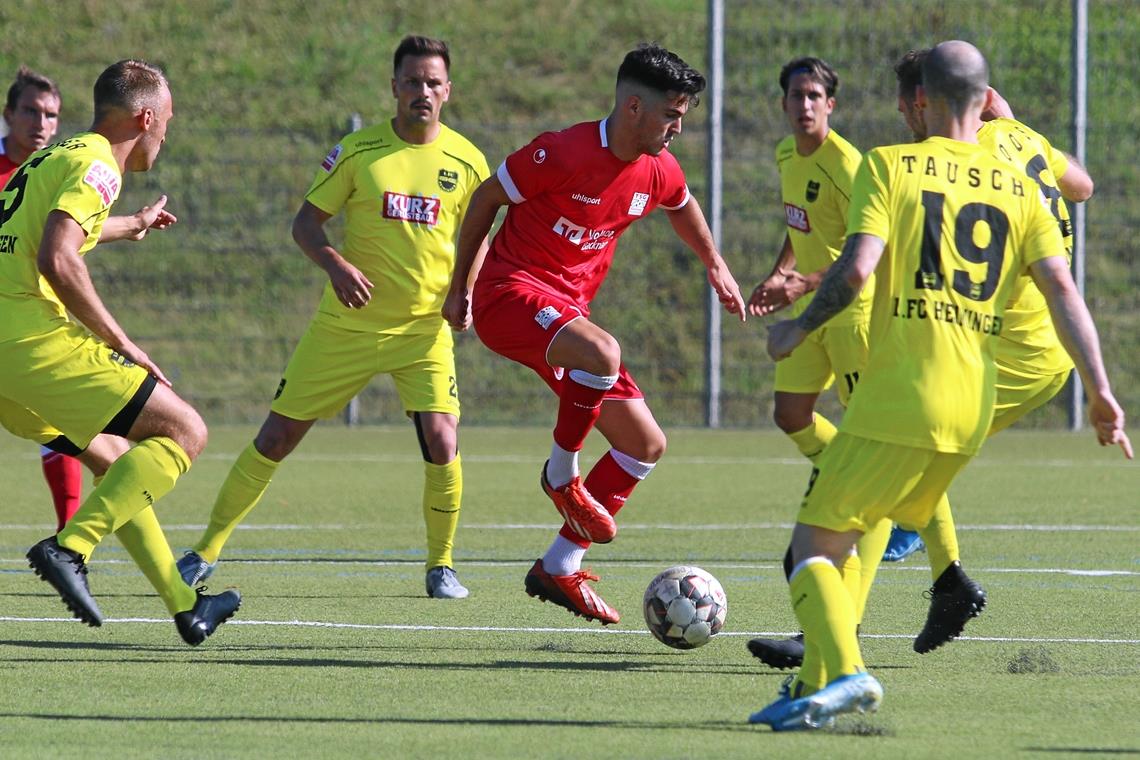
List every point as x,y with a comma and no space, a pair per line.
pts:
1028,344
403,205
78,176
816,191
960,225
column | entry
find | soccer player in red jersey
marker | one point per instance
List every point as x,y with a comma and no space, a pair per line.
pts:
571,194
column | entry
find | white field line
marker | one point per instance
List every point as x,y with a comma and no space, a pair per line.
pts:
707,564
537,459
693,528
541,630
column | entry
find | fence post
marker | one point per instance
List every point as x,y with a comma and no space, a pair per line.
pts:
715,180
1080,46
352,409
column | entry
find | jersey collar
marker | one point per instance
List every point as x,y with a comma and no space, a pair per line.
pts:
602,132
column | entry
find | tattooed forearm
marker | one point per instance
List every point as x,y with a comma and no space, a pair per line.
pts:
834,292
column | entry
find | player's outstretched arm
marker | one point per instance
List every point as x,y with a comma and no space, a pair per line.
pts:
690,225
352,288
137,225
59,262
471,249
841,283
1078,335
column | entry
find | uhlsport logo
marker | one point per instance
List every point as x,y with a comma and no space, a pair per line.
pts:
797,218
448,180
411,208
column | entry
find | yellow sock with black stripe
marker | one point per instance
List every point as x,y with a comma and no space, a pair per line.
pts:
812,440
443,492
135,481
826,612
870,547
940,538
242,489
144,540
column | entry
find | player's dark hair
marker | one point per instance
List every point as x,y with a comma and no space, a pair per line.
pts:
421,47
909,72
817,69
658,69
957,73
26,78
128,85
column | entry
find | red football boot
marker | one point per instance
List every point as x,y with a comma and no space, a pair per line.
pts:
582,512
572,592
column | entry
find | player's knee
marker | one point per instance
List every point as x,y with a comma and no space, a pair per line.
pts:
655,446
193,434
790,420
603,357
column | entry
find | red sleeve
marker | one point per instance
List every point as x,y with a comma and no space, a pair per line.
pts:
533,169
674,191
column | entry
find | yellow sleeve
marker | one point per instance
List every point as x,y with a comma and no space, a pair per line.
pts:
870,207
333,183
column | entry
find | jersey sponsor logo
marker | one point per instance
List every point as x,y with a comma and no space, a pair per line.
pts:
330,159
539,156
448,180
586,239
586,199
797,218
104,180
546,316
812,192
411,208
637,205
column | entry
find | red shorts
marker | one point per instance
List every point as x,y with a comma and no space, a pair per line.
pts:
519,321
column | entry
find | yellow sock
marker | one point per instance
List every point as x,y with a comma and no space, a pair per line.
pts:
941,539
242,489
145,542
826,613
812,675
812,440
135,481
443,491
870,547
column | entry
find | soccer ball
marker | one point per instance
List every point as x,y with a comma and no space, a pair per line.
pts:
685,607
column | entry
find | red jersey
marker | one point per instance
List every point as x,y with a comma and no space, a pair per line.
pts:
571,199
7,166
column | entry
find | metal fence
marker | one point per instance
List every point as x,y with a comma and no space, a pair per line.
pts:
222,303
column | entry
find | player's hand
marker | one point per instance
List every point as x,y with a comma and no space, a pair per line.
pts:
154,217
457,309
783,338
726,289
998,108
139,357
352,288
778,291
1107,419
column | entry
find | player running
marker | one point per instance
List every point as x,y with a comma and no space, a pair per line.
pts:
571,195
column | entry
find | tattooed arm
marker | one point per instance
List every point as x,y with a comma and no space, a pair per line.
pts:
843,281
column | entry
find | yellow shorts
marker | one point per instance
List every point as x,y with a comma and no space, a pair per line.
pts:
827,353
331,365
859,481
1018,394
64,382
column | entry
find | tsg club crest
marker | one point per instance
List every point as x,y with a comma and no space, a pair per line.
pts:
812,191
448,180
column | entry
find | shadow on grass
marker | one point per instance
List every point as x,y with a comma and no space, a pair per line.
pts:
1087,750
716,726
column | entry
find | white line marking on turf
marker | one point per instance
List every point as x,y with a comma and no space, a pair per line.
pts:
692,528
537,629
748,566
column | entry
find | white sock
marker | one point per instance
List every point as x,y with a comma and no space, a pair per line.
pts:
562,467
564,557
